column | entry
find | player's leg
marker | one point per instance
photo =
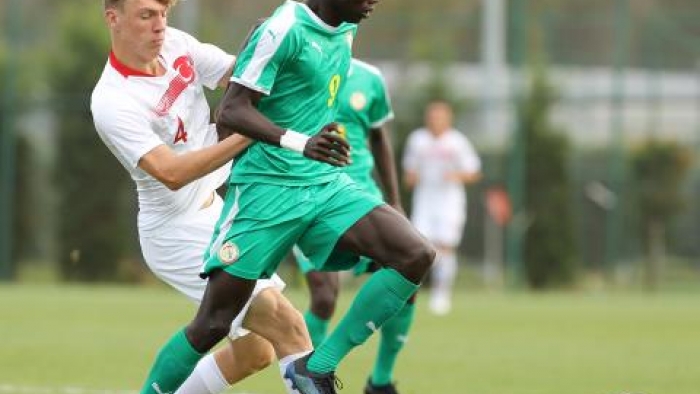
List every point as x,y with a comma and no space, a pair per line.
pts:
175,255
446,235
277,327
323,291
274,318
232,363
323,287
224,298
387,237
442,279
242,251
394,335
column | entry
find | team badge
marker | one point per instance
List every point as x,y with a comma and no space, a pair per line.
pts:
358,101
228,253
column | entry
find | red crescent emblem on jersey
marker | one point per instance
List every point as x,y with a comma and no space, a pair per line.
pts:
185,67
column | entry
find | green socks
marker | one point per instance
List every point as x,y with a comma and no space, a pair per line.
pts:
317,327
174,364
380,298
394,336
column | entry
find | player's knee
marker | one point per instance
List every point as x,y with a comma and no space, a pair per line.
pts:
205,332
419,262
323,303
259,360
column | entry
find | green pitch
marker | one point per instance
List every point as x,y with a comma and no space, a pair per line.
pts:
102,339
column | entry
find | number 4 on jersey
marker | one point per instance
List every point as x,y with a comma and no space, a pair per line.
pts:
181,134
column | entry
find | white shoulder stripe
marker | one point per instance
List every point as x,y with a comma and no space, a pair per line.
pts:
271,39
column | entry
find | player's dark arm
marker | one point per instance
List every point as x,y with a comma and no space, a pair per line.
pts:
239,112
383,153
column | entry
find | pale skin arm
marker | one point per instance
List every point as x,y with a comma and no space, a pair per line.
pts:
465,177
410,178
176,171
223,82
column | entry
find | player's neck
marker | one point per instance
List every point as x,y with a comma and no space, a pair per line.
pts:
324,12
437,133
132,61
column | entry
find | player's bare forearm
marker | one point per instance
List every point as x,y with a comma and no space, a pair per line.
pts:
176,171
239,112
465,177
410,178
383,153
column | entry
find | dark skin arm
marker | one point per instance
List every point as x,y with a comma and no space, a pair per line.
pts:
220,130
239,112
383,153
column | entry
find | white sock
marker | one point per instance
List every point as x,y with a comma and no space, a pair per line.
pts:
205,379
285,361
444,273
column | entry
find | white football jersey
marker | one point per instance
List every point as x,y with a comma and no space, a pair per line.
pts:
432,158
134,113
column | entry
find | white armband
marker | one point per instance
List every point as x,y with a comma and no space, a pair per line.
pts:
293,140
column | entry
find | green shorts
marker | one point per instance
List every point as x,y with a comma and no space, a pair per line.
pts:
369,184
362,265
261,222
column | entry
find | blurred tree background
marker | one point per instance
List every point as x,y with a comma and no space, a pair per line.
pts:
567,124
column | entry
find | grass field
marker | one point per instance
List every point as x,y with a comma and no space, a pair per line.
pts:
100,340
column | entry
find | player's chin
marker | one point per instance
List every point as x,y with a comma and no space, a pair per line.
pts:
359,16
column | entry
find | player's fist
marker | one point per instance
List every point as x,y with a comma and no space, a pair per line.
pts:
328,146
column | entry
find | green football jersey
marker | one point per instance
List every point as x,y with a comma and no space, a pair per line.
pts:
364,105
299,63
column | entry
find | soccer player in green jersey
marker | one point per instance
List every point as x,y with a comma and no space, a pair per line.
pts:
364,109
288,189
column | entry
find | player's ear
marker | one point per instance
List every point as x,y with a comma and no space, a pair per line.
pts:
111,17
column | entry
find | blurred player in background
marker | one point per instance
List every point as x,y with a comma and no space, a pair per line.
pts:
150,110
438,162
364,109
284,192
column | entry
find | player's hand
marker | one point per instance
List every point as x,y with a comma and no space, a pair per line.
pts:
453,176
328,147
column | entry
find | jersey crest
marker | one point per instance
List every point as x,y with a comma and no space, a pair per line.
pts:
185,76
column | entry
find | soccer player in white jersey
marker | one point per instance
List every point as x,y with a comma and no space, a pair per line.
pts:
150,110
438,162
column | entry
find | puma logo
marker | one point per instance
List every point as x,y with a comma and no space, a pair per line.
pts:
316,46
371,326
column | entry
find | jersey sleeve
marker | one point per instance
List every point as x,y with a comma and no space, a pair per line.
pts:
210,61
380,110
273,44
127,133
468,159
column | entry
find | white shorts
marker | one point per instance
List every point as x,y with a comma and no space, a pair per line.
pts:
175,254
442,227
